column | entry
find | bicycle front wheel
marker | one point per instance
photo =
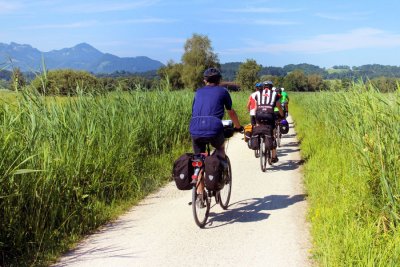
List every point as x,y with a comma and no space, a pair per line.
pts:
224,195
278,136
200,207
263,159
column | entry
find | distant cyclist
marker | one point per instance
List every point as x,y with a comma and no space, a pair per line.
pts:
252,104
267,100
285,101
208,109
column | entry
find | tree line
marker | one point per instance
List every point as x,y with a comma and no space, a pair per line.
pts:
199,55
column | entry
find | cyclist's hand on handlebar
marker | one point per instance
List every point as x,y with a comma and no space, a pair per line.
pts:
240,129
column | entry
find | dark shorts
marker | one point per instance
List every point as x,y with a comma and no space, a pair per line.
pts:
199,143
271,120
253,119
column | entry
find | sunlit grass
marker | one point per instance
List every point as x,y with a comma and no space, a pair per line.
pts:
64,165
69,164
351,143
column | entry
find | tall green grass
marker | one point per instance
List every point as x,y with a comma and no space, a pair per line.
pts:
351,143
65,164
68,165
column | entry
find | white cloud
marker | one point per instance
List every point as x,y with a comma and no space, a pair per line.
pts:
344,16
141,21
264,10
81,24
326,43
8,7
255,21
101,7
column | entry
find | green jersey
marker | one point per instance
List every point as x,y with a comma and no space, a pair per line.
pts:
284,97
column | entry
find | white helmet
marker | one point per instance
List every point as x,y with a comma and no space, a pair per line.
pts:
282,89
273,88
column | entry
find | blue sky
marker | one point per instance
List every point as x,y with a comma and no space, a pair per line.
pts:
274,33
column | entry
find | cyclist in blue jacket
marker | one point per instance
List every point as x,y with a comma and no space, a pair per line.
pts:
208,109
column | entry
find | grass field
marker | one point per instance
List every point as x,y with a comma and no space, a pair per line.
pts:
351,144
68,165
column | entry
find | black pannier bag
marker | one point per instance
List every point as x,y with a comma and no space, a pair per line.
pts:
183,171
213,173
254,142
265,115
266,130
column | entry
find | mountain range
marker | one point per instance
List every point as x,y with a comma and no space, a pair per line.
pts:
80,57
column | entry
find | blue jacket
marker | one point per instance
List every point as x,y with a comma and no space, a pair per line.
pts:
208,110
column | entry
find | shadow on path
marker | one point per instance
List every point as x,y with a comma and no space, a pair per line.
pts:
251,210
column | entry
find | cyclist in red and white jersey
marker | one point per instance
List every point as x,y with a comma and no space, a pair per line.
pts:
252,104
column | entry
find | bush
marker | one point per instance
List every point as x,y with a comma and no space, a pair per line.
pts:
65,82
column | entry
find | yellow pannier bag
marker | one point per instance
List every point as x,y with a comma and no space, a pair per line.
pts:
248,129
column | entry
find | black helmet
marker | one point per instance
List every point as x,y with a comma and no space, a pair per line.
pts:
268,84
212,75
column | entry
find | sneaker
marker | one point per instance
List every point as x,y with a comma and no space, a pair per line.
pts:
275,160
200,201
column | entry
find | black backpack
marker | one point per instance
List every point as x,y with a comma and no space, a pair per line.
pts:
183,171
213,173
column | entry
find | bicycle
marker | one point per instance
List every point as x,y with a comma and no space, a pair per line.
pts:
265,140
201,203
278,134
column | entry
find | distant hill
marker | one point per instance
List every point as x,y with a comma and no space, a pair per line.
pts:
369,71
80,57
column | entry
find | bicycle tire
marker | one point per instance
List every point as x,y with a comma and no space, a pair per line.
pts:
278,135
269,157
224,195
263,160
257,153
200,214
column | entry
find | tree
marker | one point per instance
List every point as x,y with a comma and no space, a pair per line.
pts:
65,82
276,80
315,82
172,74
197,57
248,74
296,81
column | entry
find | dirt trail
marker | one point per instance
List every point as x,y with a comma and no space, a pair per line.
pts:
265,224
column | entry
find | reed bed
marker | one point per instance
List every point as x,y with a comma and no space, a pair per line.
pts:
351,143
66,164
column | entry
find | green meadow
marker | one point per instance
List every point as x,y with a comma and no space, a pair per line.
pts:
71,164
350,141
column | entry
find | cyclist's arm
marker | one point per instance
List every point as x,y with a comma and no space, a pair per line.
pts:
248,104
279,106
232,114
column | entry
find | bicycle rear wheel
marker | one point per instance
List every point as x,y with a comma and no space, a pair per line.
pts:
224,195
278,135
263,160
257,153
200,207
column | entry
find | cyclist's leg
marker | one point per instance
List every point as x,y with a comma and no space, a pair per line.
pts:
253,120
199,146
274,157
286,108
218,142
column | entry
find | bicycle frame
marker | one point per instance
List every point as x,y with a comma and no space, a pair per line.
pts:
201,201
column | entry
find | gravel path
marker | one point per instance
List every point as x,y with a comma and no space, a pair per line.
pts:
265,224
